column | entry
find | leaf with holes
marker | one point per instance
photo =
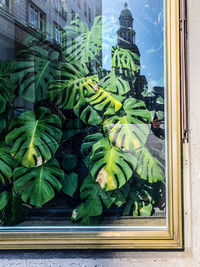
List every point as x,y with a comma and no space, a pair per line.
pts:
105,101
93,197
16,211
83,43
36,185
125,59
148,167
86,148
115,84
7,163
6,86
69,89
34,137
33,71
110,166
130,130
88,115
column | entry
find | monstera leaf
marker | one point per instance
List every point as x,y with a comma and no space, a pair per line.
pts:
4,198
94,197
135,199
36,185
15,210
69,90
33,70
34,137
6,86
110,166
105,101
115,84
125,59
148,167
7,163
88,115
129,131
83,43
86,148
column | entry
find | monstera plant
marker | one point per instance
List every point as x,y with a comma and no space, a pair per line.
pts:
84,136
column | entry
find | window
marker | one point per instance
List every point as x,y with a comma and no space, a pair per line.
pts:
85,8
73,14
59,6
96,162
5,4
36,18
57,34
89,14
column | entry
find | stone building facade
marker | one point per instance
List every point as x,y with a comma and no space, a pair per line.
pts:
45,18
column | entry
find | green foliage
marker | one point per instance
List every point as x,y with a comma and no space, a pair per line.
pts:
130,130
36,185
86,148
83,43
105,101
34,137
7,163
115,84
69,183
33,70
149,167
72,84
16,211
69,162
110,166
125,59
94,197
6,86
4,199
99,117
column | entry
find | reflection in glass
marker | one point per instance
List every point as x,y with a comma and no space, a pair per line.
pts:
82,114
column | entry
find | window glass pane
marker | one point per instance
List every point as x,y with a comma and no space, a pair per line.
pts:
83,126
31,16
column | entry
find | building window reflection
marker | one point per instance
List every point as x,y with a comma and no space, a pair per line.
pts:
57,34
5,4
36,19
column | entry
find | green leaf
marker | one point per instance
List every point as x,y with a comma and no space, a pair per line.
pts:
7,163
69,183
129,131
110,166
6,86
120,199
115,84
93,196
15,212
125,59
71,128
33,71
71,85
88,115
148,167
146,210
37,185
86,148
87,43
34,137
69,162
105,101
160,100
4,198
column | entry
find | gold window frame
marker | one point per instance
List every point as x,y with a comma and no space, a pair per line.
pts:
172,237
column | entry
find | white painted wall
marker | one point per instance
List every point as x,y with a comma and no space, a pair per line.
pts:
191,256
